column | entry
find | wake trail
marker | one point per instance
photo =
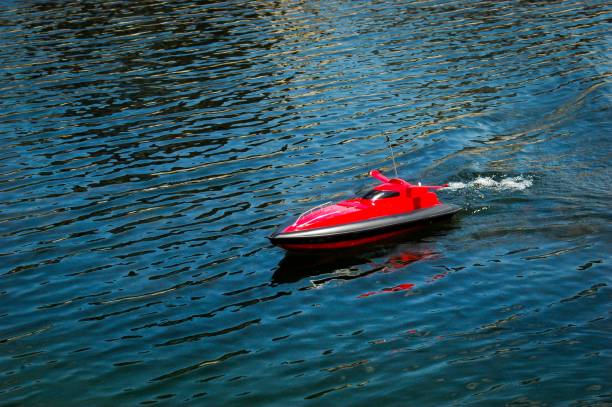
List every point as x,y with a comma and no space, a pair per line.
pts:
510,183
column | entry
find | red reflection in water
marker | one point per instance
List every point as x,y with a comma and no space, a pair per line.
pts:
401,287
437,277
405,259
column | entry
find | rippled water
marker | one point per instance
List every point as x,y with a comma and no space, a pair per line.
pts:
148,148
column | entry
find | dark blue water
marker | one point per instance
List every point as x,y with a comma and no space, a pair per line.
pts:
148,148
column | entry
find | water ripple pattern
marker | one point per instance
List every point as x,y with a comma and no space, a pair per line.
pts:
148,148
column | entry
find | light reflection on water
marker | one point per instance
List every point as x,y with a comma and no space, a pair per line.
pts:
149,147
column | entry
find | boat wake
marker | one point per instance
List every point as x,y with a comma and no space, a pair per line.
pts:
518,183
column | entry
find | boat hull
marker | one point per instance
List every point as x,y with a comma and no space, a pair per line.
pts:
361,232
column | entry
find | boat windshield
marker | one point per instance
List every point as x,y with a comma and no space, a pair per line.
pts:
374,194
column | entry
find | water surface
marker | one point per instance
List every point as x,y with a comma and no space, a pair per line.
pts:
148,148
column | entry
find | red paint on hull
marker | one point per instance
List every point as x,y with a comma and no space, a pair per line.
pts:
387,210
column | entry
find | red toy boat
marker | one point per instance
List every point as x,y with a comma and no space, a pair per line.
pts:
386,210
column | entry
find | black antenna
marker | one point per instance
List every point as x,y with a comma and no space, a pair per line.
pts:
392,156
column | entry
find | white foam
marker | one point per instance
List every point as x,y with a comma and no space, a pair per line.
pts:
511,183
